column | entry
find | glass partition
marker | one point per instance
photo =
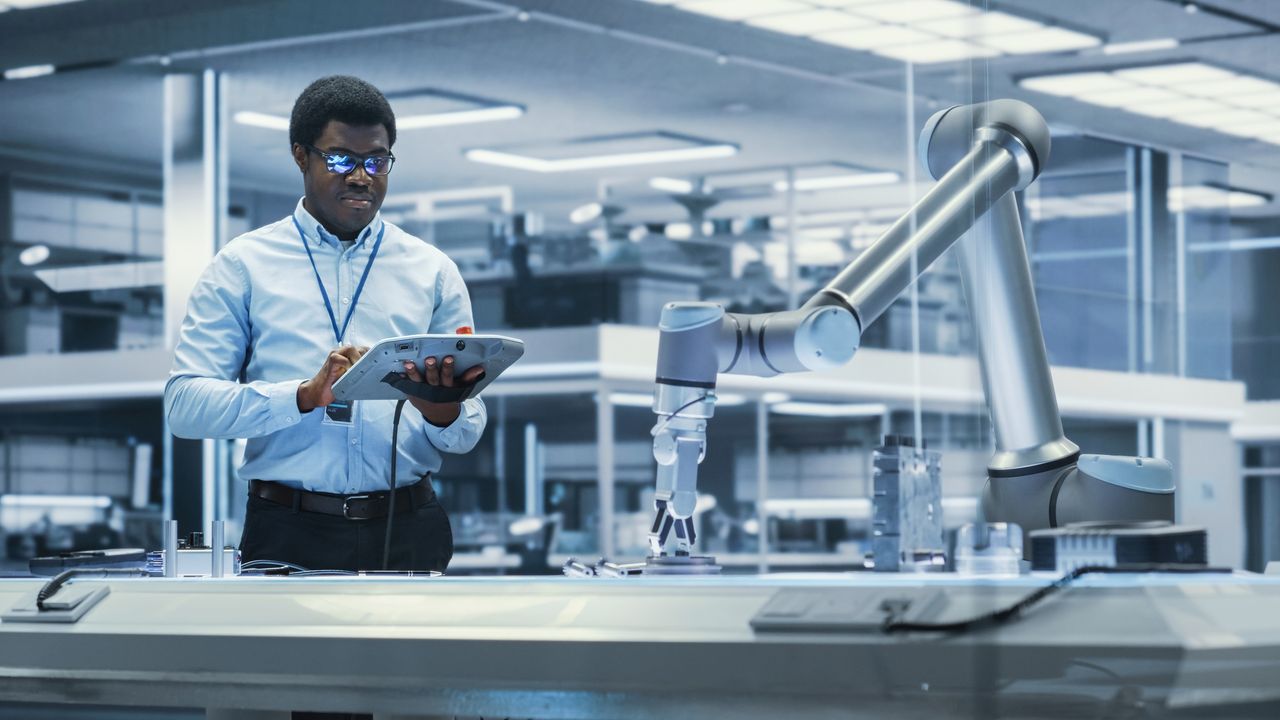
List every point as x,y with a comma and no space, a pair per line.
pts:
81,223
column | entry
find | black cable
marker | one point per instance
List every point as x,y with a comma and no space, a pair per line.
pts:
55,584
999,617
663,426
391,508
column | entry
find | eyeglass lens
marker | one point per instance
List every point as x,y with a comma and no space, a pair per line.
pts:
343,164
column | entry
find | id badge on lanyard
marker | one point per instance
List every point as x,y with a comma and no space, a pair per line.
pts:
340,412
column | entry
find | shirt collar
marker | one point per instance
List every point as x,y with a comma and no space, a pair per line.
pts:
317,235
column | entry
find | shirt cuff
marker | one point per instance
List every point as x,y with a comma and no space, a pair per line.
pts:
283,401
450,436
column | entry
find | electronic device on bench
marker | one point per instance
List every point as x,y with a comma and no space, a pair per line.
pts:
376,374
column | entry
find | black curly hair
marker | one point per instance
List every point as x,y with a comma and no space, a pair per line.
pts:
343,98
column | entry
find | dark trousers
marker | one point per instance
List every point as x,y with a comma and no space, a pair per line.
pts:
421,538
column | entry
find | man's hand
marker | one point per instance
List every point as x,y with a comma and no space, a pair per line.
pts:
318,391
440,374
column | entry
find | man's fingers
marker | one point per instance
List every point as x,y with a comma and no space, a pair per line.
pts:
351,352
472,375
411,371
338,364
446,372
433,371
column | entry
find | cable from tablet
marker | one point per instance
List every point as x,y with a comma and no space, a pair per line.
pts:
391,507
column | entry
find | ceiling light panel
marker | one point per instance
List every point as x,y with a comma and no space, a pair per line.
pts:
1050,39
742,9
1190,93
603,152
875,36
979,24
809,23
938,51
918,31
915,11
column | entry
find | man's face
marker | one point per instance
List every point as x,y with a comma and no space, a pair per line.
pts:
345,204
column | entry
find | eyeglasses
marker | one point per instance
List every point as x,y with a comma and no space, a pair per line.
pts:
344,163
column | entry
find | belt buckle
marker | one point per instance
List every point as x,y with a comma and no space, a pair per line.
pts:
346,505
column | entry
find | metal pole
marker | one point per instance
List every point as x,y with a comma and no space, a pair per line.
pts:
170,548
604,459
500,452
762,482
217,540
793,272
532,506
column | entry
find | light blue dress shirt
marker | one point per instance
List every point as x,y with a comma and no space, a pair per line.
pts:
256,328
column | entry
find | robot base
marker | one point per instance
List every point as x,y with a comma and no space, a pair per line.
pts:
1096,487
681,565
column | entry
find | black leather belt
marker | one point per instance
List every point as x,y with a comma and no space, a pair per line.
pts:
364,506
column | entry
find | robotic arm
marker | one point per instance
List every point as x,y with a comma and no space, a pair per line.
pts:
981,154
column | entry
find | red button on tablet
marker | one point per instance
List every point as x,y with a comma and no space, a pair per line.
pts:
464,330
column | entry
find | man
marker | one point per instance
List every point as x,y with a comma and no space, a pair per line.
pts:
314,290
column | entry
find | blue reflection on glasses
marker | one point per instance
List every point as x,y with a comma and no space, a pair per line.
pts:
344,163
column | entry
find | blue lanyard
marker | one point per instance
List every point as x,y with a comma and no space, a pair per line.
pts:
339,333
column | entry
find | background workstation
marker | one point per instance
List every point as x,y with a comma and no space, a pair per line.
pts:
585,162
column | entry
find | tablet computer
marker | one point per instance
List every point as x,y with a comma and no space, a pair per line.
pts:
373,375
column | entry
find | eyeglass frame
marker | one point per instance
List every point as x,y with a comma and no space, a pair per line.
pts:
360,160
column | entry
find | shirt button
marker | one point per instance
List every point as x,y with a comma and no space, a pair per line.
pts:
346,300
355,441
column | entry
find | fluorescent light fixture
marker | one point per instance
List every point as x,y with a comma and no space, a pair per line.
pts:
1269,100
261,120
678,231
914,11
460,117
1226,118
671,185
808,23
987,23
407,122
1174,74
108,276
77,501
1049,39
829,410
586,213
771,398
539,165
28,4
1240,85
874,37
730,399
937,51
1134,95
840,181
1211,197
1189,93
1180,110
919,31
1138,46
742,9
27,72
34,255
1072,84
